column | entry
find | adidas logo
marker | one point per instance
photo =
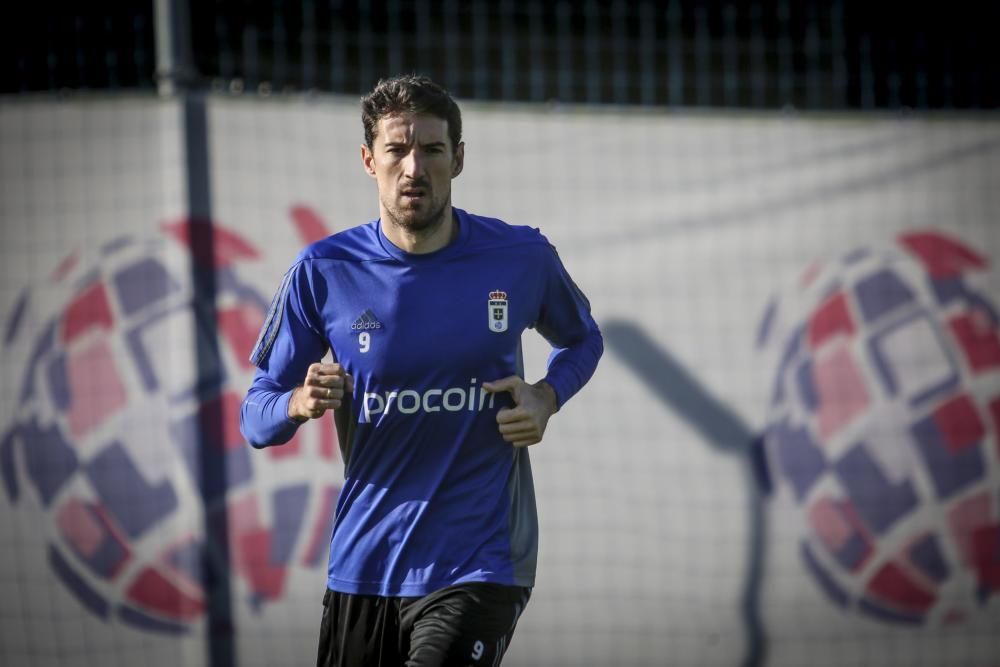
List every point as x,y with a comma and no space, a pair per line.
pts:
366,321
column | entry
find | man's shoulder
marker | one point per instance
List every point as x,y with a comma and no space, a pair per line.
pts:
494,232
355,244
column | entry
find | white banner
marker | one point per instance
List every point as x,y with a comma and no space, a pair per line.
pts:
825,285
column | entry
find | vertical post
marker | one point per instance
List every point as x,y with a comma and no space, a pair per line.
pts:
174,58
163,18
211,459
176,77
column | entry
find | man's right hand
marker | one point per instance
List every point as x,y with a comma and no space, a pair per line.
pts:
322,390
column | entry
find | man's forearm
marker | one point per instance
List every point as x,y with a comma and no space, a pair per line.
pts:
264,418
571,367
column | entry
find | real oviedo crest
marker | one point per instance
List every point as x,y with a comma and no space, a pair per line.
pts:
497,311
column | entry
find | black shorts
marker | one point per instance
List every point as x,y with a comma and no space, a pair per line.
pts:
465,624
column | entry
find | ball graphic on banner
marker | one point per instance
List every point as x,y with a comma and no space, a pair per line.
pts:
105,436
883,427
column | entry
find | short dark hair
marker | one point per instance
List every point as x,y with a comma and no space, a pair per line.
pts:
411,93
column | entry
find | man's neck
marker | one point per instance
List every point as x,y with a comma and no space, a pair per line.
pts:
424,241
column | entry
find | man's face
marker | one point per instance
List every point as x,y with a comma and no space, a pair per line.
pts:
413,162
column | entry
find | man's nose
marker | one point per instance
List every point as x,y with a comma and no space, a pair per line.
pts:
413,164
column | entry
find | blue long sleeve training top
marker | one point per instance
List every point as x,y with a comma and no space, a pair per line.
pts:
433,496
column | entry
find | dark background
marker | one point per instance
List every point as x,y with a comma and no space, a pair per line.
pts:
765,55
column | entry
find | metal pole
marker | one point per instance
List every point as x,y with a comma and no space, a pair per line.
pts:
175,71
177,78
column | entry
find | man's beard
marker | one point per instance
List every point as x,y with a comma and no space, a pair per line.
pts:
422,226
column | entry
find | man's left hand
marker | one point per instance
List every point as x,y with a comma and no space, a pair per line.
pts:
524,424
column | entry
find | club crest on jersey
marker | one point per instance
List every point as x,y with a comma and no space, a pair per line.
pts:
498,311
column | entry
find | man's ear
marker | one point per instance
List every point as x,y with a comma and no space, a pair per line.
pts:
458,160
368,160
